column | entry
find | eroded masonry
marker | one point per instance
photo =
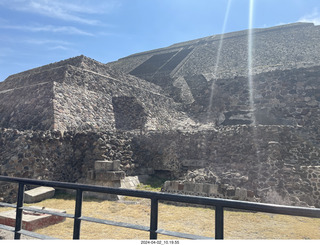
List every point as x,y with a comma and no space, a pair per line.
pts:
176,113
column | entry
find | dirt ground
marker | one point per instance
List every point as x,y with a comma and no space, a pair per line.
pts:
8,235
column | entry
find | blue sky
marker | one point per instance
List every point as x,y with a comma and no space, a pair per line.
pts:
38,32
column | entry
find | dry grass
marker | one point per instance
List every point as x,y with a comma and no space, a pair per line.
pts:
194,220
245,225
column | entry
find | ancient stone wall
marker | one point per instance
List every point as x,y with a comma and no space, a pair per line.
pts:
277,164
289,97
270,161
26,101
129,114
51,155
190,122
27,107
85,100
80,94
215,190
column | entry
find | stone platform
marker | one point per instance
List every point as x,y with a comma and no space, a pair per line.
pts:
38,194
32,220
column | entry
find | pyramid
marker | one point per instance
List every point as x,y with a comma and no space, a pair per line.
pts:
209,76
83,94
194,101
276,48
200,82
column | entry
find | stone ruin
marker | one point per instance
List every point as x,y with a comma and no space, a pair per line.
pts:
173,112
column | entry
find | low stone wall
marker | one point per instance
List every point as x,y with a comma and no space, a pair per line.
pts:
52,155
278,164
209,190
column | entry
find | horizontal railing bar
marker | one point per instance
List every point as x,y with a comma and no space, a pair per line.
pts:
25,232
44,211
7,228
8,205
114,223
258,207
273,208
183,235
36,235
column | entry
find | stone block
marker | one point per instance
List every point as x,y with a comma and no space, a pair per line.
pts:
109,175
180,187
38,194
98,165
189,186
198,187
103,165
241,193
171,185
210,188
130,182
116,175
214,189
32,220
230,191
174,185
116,165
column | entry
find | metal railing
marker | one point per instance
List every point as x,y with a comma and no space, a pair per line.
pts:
155,197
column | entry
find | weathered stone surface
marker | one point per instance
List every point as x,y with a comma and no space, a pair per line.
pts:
240,156
130,182
275,49
167,112
103,165
83,94
38,194
32,220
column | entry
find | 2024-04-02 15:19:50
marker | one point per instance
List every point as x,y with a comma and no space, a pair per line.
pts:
173,242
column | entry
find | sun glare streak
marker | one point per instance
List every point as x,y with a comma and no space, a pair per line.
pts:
218,56
251,87
250,73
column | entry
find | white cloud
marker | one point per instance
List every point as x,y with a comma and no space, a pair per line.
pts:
46,42
75,11
51,44
314,17
48,28
59,47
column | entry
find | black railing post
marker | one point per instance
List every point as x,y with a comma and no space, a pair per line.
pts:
77,215
19,211
219,222
154,219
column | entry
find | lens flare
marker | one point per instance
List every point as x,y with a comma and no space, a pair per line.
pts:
218,57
